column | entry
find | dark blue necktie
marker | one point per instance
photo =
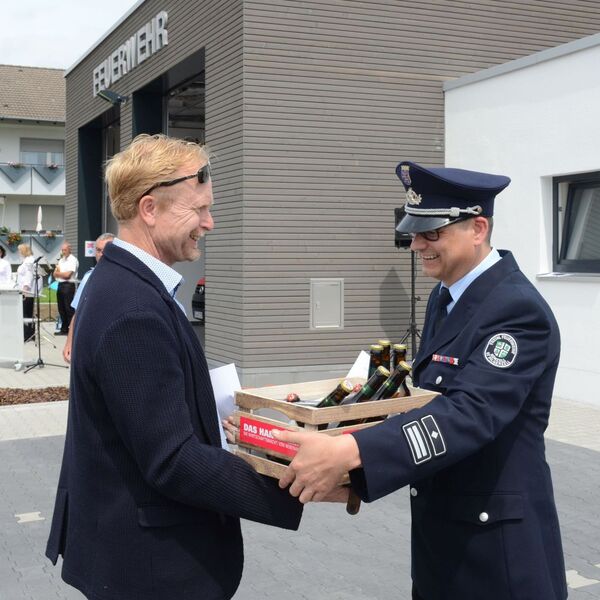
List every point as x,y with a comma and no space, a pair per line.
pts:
441,309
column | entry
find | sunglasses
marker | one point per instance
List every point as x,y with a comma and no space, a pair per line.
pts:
203,176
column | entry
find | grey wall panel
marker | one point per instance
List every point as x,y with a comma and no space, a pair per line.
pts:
335,94
310,105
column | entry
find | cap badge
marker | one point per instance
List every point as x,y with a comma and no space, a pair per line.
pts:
412,197
405,175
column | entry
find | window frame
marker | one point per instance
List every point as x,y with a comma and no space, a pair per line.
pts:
561,216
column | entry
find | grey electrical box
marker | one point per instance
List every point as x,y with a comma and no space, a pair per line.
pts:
327,303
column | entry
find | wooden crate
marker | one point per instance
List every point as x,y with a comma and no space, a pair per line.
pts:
269,456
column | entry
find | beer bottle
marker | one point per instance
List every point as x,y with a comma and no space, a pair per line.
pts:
393,382
337,395
366,392
398,354
376,359
385,354
368,389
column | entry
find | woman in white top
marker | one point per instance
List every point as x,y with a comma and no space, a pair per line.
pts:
25,284
5,269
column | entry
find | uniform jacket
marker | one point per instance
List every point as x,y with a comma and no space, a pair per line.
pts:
148,504
484,522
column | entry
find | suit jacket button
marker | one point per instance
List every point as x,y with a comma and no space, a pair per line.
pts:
413,492
483,517
438,380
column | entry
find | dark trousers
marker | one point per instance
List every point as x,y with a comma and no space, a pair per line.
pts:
64,297
415,594
28,328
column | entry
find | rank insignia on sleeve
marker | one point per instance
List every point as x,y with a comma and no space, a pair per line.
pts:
501,350
417,442
434,434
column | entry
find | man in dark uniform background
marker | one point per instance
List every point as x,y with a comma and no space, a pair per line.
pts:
484,522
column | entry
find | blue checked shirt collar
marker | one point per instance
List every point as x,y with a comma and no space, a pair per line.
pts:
169,277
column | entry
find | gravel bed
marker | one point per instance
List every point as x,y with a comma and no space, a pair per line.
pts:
10,396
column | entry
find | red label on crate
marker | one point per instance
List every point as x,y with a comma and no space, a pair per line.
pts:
259,434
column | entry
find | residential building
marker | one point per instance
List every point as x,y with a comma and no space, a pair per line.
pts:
32,158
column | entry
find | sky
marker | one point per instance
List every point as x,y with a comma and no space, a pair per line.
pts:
39,33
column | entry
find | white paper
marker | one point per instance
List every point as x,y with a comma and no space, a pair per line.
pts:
225,383
360,368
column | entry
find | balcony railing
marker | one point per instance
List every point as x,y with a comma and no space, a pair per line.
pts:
31,180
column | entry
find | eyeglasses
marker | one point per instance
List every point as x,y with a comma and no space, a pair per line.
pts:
203,176
430,236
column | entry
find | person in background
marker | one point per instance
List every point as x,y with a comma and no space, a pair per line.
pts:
101,241
66,274
25,283
484,520
5,269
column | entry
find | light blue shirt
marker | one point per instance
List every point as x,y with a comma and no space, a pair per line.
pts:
457,289
77,297
169,277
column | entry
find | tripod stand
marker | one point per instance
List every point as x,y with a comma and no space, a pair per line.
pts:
412,330
39,362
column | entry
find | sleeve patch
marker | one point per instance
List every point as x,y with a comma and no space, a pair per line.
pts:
501,350
436,439
417,442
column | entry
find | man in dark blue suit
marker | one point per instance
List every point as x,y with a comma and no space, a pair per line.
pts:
149,500
484,522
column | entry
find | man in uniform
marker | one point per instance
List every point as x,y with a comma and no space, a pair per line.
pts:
484,522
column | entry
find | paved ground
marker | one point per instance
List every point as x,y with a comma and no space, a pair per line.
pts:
333,556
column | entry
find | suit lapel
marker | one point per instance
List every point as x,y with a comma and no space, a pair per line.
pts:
200,398
204,399
470,301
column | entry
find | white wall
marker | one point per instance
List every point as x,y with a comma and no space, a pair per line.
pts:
31,189
532,124
11,134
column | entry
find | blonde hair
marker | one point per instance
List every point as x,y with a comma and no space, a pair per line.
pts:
24,250
148,160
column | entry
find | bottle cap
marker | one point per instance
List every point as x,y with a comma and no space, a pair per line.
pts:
385,342
400,347
383,371
376,347
347,385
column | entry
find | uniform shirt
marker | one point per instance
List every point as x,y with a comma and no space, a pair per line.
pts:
5,272
457,289
66,264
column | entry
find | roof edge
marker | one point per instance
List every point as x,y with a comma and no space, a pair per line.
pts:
526,61
12,119
103,37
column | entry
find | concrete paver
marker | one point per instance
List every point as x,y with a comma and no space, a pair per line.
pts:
333,556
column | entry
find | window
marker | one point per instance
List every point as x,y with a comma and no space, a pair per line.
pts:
42,152
53,217
576,228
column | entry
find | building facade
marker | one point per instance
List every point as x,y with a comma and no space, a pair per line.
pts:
32,171
307,107
545,139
